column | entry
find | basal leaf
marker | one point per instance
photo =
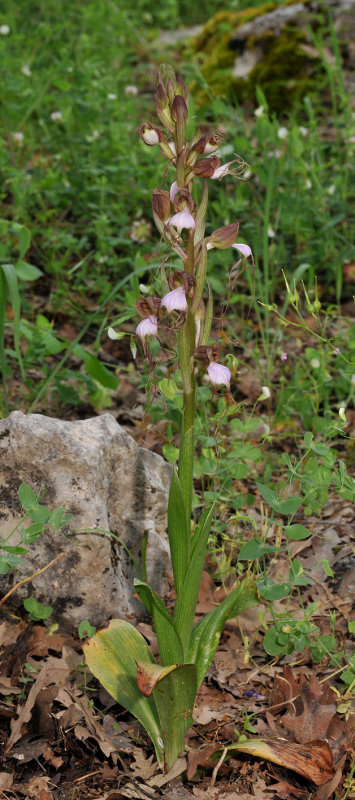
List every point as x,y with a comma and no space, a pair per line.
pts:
206,634
174,689
112,656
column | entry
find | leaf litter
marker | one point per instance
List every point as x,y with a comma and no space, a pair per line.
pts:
61,731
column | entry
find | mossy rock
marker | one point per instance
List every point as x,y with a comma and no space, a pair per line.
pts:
282,63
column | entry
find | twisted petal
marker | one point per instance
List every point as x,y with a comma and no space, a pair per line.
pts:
175,300
244,249
219,375
147,327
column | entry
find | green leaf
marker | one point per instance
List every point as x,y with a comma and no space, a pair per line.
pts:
168,388
327,568
100,373
271,644
13,288
24,238
186,602
206,634
179,533
308,439
290,505
26,496
31,533
14,549
174,690
170,645
39,514
270,497
274,591
297,532
254,549
36,610
112,656
58,518
85,629
27,272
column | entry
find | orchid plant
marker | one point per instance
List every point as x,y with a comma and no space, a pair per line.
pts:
162,696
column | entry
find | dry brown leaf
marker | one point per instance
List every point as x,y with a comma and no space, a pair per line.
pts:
314,760
6,780
24,712
200,757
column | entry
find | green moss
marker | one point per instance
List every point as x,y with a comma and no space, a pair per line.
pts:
285,72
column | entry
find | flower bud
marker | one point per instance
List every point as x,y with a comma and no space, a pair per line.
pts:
161,204
162,107
150,134
181,88
223,237
206,167
206,353
179,110
147,306
209,144
184,279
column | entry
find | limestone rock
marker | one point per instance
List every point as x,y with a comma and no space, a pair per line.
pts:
271,46
99,474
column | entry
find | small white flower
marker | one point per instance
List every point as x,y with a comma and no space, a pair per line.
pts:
95,135
271,234
112,96
218,374
147,327
341,412
282,133
244,249
18,137
315,363
308,184
4,30
331,189
265,393
56,116
130,89
111,333
353,380
26,70
247,174
172,147
259,111
143,288
304,131
175,300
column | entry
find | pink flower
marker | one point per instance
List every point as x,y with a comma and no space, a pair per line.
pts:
244,249
219,375
183,219
283,356
175,300
147,327
174,188
221,171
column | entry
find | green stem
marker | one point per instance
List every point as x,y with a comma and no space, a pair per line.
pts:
187,445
